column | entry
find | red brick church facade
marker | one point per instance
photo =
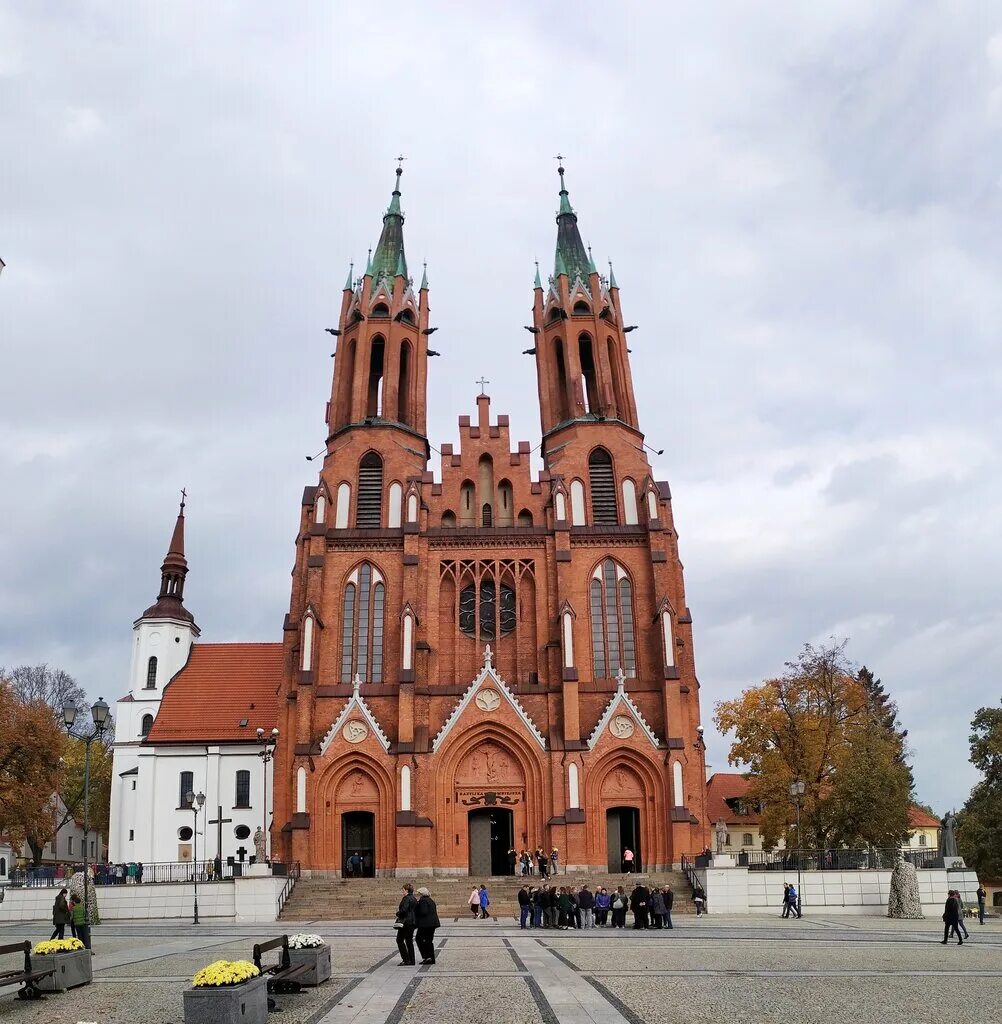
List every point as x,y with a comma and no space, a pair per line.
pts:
486,660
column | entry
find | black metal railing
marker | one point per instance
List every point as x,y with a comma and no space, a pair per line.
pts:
51,876
833,860
292,872
690,873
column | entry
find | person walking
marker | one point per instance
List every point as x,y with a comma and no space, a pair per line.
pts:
524,907
426,921
657,907
586,904
542,862
786,900
699,898
791,900
960,920
982,896
601,907
668,896
619,901
951,918
627,860
555,861
405,924
485,902
474,901
61,915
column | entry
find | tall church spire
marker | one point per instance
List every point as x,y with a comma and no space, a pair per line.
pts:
170,600
571,257
388,260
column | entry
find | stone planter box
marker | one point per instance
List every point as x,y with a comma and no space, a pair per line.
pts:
72,969
319,961
246,1003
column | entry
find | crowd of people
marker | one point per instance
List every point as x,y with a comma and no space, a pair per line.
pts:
564,907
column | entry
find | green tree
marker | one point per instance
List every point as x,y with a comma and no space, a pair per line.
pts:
979,824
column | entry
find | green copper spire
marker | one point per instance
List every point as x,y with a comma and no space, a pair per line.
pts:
537,283
592,269
571,254
348,284
388,260
612,276
560,266
424,278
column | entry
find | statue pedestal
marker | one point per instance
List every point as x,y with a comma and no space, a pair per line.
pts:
723,860
257,869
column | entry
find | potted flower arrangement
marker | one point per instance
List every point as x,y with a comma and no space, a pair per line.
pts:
315,953
227,992
72,964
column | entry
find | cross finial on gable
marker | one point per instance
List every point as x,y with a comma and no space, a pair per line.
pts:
621,680
356,683
488,656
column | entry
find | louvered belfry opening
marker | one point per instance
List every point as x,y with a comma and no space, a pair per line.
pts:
369,506
603,488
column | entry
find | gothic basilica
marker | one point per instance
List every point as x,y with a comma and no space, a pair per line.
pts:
479,659
472,660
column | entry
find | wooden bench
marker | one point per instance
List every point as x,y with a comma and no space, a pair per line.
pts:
283,977
26,978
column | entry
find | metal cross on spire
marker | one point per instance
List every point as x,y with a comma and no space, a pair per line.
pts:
184,496
483,382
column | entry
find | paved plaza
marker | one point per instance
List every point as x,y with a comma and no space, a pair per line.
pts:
707,970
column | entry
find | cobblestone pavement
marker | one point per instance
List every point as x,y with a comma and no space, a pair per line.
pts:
735,969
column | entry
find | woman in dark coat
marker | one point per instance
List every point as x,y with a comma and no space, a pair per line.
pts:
61,916
404,925
426,918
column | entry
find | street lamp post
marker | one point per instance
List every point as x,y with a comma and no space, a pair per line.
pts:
267,753
99,715
797,790
195,803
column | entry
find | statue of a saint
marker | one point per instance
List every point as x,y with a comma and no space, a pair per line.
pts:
947,838
721,830
259,846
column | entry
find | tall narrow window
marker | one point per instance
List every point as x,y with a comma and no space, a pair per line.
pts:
151,673
396,499
613,638
488,515
187,786
603,488
242,796
362,625
560,383
369,507
343,505
404,385
144,729
589,382
374,400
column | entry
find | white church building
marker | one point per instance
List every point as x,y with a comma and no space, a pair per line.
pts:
191,722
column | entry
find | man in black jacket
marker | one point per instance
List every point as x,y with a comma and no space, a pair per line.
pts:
524,907
405,926
951,919
669,898
426,919
639,899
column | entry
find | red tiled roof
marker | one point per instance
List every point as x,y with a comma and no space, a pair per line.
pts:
221,685
918,818
724,786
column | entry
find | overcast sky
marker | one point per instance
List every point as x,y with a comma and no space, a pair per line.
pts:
802,203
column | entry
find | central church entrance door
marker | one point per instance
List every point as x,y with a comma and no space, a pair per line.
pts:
358,835
491,837
622,829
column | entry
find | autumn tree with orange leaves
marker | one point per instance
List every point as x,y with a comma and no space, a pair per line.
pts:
31,745
820,723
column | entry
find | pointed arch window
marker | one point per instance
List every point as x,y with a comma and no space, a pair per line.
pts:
362,625
613,639
369,507
603,488
147,724
151,673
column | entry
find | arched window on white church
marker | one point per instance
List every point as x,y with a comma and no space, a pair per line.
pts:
613,641
362,625
151,673
147,724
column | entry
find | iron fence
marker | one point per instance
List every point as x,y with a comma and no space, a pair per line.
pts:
833,860
52,876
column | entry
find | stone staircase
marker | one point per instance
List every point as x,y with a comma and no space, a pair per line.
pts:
328,898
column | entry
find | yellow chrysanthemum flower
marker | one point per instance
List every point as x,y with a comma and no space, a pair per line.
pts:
57,946
225,972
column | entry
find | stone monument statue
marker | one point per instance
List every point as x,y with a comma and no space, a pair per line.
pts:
947,837
903,901
721,832
259,846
